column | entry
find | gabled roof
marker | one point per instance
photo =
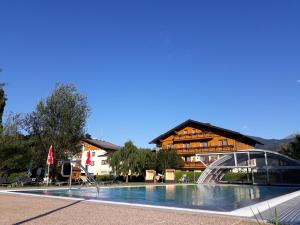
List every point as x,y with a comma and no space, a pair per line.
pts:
102,144
195,124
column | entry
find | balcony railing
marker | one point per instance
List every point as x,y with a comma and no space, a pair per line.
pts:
193,165
195,136
199,150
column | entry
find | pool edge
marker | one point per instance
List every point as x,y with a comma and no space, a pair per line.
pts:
247,211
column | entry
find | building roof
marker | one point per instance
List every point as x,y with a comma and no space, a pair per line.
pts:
102,144
193,123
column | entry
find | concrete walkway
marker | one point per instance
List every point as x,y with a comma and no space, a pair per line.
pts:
16,209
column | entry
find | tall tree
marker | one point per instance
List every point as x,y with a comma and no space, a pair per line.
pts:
129,160
15,154
13,125
15,148
59,120
292,149
168,159
2,103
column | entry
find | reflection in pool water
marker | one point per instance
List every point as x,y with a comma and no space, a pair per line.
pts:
209,197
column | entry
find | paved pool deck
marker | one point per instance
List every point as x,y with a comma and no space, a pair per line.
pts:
17,209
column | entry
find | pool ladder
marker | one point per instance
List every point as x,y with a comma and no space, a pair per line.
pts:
90,179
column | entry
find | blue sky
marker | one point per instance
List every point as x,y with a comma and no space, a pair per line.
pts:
147,66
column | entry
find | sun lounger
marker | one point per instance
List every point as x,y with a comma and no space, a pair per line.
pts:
4,182
23,181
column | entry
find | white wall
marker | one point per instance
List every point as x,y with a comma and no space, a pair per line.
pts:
97,157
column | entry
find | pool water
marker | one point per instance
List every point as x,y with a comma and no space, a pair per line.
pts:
208,197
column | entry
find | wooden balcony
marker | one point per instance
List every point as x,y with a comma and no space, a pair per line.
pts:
199,150
193,165
195,136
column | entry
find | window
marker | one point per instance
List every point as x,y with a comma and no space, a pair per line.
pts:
194,130
93,154
103,162
203,144
223,142
185,132
92,163
186,145
170,146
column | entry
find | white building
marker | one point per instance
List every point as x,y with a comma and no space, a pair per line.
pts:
99,152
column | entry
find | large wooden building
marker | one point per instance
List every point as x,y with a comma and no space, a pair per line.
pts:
192,137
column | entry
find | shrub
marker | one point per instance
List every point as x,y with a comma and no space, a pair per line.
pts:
139,178
231,177
192,176
14,176
104,177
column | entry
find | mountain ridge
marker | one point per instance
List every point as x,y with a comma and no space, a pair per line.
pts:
274,144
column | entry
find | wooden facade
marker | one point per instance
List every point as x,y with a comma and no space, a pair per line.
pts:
193,137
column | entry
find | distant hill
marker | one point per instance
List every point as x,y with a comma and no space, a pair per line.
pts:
274,144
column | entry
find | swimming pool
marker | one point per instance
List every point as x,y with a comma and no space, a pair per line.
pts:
219,198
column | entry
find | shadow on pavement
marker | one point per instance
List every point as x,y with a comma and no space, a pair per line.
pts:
47,213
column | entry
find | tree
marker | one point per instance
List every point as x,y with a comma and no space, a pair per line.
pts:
13,125
122,161
129,160
15,148
2,103
168,159
292,149
15,154
59,120
149,159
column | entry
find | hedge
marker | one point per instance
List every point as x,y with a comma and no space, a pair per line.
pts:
192,176
231,177
106,177
14,176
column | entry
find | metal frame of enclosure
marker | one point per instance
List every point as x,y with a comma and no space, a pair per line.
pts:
250,161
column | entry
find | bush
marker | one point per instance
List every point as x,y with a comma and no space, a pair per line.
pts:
287,177
233,177
13,177
192,176
139,178
104,177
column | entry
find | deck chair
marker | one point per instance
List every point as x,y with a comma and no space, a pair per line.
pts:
4,182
